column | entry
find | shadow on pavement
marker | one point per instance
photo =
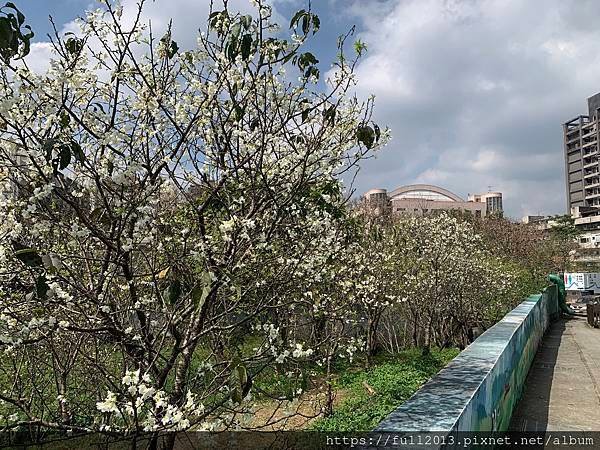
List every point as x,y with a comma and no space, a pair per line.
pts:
532,411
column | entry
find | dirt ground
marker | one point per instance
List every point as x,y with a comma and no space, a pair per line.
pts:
275,415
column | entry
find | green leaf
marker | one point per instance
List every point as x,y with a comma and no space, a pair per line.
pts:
329,115
244,380
74,46
236,395
306,114
359,47
307,59
240,381
306,63
48,147
29,257
246,21
41,287
306,24
236,30
297,17
239,112
199,294
173,49
246,46
77,151
171,46
316,22
20,15
173,292
312,71
242,374
366,135
216,16
231,50
377,132
65,119
64,157
6,38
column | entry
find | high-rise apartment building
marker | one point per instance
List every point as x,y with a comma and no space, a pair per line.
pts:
581,161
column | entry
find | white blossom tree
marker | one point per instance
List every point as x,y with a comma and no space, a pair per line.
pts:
456,281
162,205
382,267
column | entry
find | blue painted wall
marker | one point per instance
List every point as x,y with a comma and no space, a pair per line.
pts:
479,389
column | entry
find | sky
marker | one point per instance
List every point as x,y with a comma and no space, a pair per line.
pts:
475,92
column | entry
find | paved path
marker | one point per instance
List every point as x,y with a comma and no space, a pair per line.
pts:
562,392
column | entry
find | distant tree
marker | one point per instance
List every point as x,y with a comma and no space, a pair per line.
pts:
563,234
563,227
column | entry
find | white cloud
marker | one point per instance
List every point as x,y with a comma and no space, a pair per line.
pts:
188,17
476,92
38,59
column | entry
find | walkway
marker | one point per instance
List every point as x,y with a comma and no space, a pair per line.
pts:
562,392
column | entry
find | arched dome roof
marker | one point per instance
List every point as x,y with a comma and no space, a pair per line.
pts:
425,192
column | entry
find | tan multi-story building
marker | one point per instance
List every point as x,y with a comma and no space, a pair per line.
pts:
492,200
422,199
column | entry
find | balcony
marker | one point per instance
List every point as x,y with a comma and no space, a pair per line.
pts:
593,195
593,182
589,143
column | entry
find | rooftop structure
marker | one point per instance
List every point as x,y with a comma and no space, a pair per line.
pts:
533,219
492,200
421,199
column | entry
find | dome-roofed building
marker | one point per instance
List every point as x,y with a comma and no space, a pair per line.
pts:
420,199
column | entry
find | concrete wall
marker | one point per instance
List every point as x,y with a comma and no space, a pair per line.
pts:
419,206
478,390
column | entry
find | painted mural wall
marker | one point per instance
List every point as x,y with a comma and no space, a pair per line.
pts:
480,388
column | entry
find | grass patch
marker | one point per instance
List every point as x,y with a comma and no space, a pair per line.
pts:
394,378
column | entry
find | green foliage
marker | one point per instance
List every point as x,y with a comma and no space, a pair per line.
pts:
28,256
394,380
73,44
307,20
564,228
360,47
367,135
171,46
59,153
13,41
307,62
